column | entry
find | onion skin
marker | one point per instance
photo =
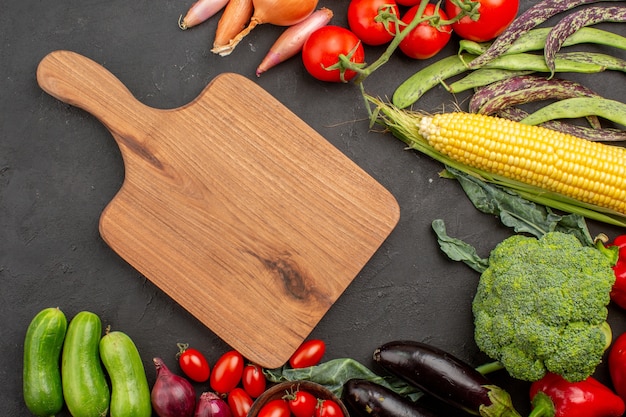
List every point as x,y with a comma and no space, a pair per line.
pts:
172,395
274,12
292,39
282,12
236,16
200,11
212,405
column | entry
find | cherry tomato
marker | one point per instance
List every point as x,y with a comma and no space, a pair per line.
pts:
424,41
302,403
227,372
275,408
495,17
193,364
308,354
328,408
239,402
253,380
323,48
361,15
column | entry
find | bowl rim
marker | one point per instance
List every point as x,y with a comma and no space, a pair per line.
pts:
280,389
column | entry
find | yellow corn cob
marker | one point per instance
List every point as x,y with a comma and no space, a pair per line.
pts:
590,172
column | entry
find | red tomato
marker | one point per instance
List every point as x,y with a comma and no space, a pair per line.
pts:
308,354
361,15
193,364
227,372
275,408
323,48
328,408
239,402
408,2
253,380
425,40
495,17
302,404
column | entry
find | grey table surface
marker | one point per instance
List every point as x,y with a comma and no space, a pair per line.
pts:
59,167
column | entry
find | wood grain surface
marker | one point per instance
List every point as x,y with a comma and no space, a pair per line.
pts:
232,205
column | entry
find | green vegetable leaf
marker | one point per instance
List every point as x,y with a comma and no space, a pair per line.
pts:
457,250
336,372
518,213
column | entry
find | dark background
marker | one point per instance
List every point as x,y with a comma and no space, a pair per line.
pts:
59,167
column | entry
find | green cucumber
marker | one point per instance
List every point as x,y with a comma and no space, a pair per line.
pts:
43,392
85,387
130,396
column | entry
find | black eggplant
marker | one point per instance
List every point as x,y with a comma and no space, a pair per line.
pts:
444,376
367,398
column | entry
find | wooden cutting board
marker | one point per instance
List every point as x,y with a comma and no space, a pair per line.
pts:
232,205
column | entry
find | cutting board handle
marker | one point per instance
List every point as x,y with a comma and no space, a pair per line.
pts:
81,82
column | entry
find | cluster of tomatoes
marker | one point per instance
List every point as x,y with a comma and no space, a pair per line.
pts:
301,403
325,47
241,382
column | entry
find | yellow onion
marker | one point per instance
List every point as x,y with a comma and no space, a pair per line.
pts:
274,12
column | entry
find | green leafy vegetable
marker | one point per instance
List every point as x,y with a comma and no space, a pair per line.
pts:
457,250
516,212
334,373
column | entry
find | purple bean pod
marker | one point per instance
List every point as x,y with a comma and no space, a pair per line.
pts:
532,17
526,89
575,21
609,62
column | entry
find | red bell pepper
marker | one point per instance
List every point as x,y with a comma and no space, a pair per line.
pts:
553,396
618,293
617,365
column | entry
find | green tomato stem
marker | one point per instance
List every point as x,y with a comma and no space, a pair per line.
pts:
387,17
395,42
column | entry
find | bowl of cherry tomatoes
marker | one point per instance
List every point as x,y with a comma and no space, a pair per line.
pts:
298,399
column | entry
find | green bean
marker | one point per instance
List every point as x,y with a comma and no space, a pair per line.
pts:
535,40
484,76
472,47
537,63
592,134
570,108
518,64
415,86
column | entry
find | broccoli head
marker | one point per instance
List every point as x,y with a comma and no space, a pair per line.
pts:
541,305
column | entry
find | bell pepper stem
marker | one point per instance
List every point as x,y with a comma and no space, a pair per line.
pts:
611,252
542,406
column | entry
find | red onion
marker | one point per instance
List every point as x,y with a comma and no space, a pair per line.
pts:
172,395
212,405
